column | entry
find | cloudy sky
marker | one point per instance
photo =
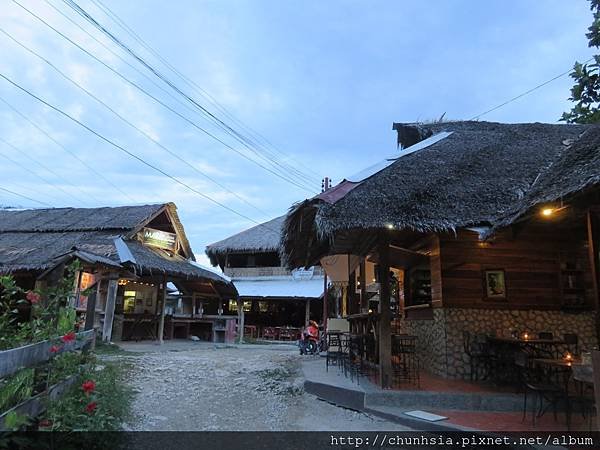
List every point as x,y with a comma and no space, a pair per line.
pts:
311,89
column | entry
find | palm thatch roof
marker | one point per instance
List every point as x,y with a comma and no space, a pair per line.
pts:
478,174
265,237
35,240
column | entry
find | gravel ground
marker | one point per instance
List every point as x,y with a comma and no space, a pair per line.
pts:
245,388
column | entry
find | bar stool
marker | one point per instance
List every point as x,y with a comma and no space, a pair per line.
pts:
334,349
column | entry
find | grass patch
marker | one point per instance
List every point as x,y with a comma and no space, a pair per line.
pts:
107,349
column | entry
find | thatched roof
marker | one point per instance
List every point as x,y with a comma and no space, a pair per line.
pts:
35,240
576,169
478,175
265,237
77,219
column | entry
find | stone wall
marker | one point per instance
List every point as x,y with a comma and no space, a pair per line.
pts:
440,340
431,342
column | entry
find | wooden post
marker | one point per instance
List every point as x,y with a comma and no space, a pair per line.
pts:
344,312
596,372
307,312
325,312
364,306
163,302
385,329
90,309
109,311
240,311
593,257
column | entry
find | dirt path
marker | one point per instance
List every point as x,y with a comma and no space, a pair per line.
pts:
247,388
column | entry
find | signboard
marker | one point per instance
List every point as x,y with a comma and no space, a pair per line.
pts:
160,239
303,274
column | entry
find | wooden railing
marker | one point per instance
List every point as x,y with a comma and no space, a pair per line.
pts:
16,359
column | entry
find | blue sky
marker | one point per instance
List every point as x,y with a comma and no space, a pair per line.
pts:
322,81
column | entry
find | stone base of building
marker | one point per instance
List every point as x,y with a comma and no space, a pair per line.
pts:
440,339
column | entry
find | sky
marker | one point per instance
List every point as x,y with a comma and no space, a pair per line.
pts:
317,84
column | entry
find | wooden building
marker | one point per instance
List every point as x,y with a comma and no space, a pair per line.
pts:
271,295
490,228
129,255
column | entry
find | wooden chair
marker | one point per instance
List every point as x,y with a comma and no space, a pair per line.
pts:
334,350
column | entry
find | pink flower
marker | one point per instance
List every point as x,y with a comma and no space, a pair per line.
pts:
69,337
91,407
33,297
88,386
55,349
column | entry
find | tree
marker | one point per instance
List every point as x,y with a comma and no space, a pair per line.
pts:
586,91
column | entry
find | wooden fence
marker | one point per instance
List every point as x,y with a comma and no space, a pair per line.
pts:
15,359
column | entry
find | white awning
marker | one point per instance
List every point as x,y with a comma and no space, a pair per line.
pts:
279,287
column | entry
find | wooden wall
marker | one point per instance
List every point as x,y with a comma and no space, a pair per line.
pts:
531,258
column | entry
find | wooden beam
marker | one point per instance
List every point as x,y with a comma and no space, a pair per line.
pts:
240,311
364,306
307,312
161,323
90,309
385,315
109,311
596,375
593,259
325,303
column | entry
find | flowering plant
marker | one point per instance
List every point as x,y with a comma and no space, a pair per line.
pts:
88,386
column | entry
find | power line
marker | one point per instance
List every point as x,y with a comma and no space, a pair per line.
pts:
529,91
210,115
158,100
73,154
25,197
27,170
45,167
112,15
123,149
132,125
22,186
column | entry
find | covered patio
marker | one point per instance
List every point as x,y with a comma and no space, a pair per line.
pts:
470,246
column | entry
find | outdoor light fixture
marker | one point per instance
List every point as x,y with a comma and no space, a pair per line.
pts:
549,211
389,226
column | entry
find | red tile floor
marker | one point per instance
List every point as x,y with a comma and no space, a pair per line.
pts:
492,420
511,421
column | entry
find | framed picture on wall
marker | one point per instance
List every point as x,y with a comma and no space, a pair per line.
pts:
494,284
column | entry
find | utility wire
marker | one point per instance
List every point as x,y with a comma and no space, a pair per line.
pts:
22,186
25,197
529,91
131,154
158,100
112,15
132,125
73,154
45,167
210,115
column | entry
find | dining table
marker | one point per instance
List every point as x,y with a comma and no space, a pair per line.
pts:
536,346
